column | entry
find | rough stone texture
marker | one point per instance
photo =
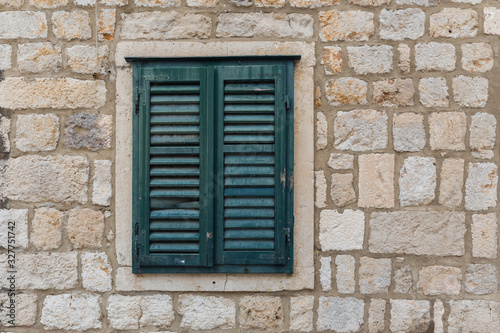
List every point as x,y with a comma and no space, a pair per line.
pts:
435,57
325,273
454,23
312,3
484,235
370,59
5,57
46,233
374,275
393,92
417,181
102,189
340,314
481,279
433,92
342,190
345,278
72,25
376,315
337,25
492,21
341,231
202,3
164,25
85,227
402,24
438,316
106,25
15,221
57,93
322,131
477,57
470,91
4,135
79,311
266,25
360,130
404,63
48,3
439,280
157,3
261,312
403,280
482,135
376,180
341,161
43,271
157,310
474,316
96,271
447,130
452,182
320,183
270,3
123,312
39,57
346,90
410,316
86,59
425,3
301,313
408,132
34,178
97,131
370,2
37,132
208,312
332,60
417,232
481,186
25,309
11,3
23,24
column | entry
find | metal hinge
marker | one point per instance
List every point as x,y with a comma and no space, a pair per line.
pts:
137,95
288,235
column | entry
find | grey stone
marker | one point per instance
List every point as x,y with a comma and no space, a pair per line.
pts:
402,24
435,57
474,316
13,222
321,130
342,189
320,184
374,275
481,279
341,231
410,316
417,181
469,91
97,131
23,24
482,135
124,312
370,59
403,280
376,315
345,278
438,316
5,57
481,186
425,3
408,132
325,273
261,312
433,92
452,182
206,312
102,189
404,63
360,130
301,313
343,315
484,235
491,21
79,311
4,135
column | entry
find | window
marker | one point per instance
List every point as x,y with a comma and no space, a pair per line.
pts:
213,165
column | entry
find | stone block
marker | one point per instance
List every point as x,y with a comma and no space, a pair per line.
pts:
207,312
366,3
87,59
39,57
320,184
13,222
202,3
477,57
157,3
340,314
124,312
404,63
341,161
353,25
341,231
374,275
474,316
261,312
393,92
402,24
157,310
312,3
78,311
265,25
46,233
342,190
345,266
85,228
376,313
484,235
376,180
424,3
439,280
37,132
270,3
447,130
332,60
24,311
483,135
325,273
11,3
360,130
410,316
301,313
49,4
5,57
417,232
491,20
370,59
4,135
96,271
438,316
97,131
435,57
408,132
454,23
481,186
72,25
403,280
102,189
469,91
433,92
452,182
481,279
417,181
322,131
35,178
106,25
23,24
164,25
346,91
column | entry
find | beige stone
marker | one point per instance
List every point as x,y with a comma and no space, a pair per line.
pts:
341,231
354,25
435,57
202,3
376,180
85,228
438,316
261,312
370,59
325,273
425,3
157,3
312,3
48,3
96,271
106,25
11,3
332,60
376,313
72,25
492,20
340,314
322,131
477,57
481,186
408,132
345,267
393,92
454,23
4,135
481,279
37,132
452,182
346,91
360,130
341,161
270,3
57,93
25,309
78,311
86,59
447,130
410,316
484,235
301,313
158,310
365,3
374,275
46,233
13,228
320,183
417,232
101,186
403,280
114,2
404,63
433,92
482,135
439,280
207,312
402,24
39,57
342,190
23,24
473,316
123,312
469,91
5,57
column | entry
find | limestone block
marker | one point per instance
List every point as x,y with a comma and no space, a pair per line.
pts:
5,57
23,24
37,132
96,271
404,63
360,130
102,189
48,3
11,3
433,92
157,310
97,134
157,3
345,265
39,57
440,280
242,3
341,231
301,313
346,90
376,180
454,23
452,182
417,181
403,280
408,132
492,20
477,57
261,312
341,161
425,3
312,3
473,316
72,25
410,316
365,3
447,130
25,308
325,273
469,91
85,228
84,3
353,25
202,3
79,311
370,59
438,316
393,92
482,135
332,59
86,59
435,57
4,135
320,184
484,235
376,313
321,130
106,25
481,186
340,314
481,279
342,190
13,222
46,233
374,275
114,2
417,232
270,3
402,24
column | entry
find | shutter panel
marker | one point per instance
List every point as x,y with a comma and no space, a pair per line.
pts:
251,117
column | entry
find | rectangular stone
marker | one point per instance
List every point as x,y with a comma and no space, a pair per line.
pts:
325,273
482,135
370,59
353,25
23,24
440,280
301,313
484,235
374,275
417,181
376,180
5,57
417,232
481,186
341,231
39,57
340,314
102,190
25,309
86,59
72,312
13,222
452,182
402,24
376,323
346,266
62,93
360,130
474,316
454,23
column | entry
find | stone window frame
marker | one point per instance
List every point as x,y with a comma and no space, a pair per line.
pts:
303,276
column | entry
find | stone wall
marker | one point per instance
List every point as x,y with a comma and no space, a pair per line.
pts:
406,155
